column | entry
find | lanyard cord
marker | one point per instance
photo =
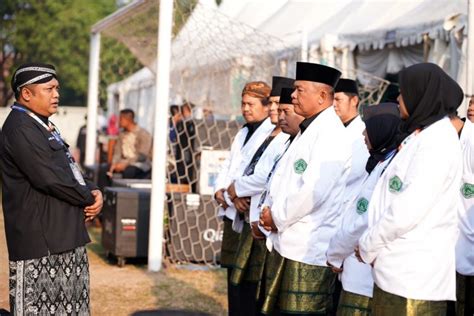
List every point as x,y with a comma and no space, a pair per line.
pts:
265,192
50,128
53,130
390,157
276,163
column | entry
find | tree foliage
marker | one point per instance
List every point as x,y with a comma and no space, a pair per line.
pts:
58,32
51,31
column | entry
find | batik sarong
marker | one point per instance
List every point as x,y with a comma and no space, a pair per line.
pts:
53,285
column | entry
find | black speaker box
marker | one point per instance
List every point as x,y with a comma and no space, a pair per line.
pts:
125,218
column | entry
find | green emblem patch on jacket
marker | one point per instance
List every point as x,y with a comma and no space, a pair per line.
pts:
300,166
395,184
467,190
362,206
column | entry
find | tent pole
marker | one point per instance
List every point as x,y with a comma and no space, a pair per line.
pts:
470,50
92,99
304,45
160,135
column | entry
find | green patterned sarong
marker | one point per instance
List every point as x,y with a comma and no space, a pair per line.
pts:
464,295
295,287
230,241
274,266
351,304
387,304
249,259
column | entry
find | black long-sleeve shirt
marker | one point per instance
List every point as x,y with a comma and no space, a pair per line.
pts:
43,203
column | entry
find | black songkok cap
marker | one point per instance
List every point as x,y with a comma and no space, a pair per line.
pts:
347,86
285,97
279,83
317,73
32,73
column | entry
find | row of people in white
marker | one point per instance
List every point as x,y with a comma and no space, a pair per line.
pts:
240,183
420,208
408,226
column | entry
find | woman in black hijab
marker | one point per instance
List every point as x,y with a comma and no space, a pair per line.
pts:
413,219
382,128
427,94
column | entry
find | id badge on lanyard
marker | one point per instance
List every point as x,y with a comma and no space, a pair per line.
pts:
72,163
270,175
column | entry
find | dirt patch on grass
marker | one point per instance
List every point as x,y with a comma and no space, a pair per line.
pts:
123,291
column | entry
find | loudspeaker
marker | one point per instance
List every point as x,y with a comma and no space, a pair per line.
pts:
125,218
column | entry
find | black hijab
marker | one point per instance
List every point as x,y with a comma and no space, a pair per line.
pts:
382,124
429,94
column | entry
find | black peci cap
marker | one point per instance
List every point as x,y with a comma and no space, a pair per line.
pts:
279,83
317,73
346,85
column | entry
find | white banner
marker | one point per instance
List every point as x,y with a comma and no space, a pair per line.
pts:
211,161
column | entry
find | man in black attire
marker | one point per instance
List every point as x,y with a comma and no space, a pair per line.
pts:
46,202
186,144
81,143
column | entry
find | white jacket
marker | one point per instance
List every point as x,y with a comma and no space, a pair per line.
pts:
307,189
254,184
360,154
413,217
239,158
465,244
356,277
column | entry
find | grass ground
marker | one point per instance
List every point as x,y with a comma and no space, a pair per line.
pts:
122,291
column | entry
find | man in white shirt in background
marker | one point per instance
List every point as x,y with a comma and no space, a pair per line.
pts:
346,105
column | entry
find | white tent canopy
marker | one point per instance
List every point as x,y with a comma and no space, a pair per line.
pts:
402,23
342,24
388,35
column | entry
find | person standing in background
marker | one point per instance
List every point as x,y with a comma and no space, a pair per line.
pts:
346,105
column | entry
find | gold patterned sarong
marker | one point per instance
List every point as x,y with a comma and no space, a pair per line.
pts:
274,266
230,241
387,304
249,259
295,287
351,304
464,295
